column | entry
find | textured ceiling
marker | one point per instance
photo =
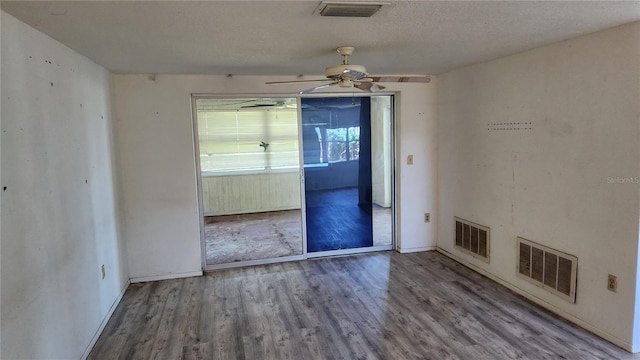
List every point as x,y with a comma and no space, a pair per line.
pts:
287,38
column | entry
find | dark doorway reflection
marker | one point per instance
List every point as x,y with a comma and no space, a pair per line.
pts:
335,221
337,166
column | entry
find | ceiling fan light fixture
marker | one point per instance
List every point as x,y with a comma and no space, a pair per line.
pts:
349,9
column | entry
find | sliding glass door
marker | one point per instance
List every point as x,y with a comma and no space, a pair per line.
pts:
259,205
249,179
347,174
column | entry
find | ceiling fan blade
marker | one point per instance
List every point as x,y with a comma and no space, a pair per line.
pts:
369,86
294,81
365,86
353,74
317,88
376,88
401,79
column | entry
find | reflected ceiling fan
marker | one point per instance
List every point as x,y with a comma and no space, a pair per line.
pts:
279,104
348,75
271,103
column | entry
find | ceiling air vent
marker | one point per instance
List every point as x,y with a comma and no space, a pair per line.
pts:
349,9
548,268
472,238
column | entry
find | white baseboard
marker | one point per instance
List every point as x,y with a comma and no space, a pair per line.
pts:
562,313
418,249
141,279
113,307
105,320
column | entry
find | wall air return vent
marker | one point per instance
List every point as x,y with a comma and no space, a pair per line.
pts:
349,9
548,268
472,238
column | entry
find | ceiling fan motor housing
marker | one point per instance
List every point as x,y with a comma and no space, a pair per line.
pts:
339,70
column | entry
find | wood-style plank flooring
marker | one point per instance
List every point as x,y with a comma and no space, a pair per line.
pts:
375,306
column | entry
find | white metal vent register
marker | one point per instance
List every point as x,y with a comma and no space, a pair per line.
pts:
549,268
472,238
349,9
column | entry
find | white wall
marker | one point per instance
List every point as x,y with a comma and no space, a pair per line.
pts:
250,193
381,150
59,221
158,180
416,184
1,182
551,184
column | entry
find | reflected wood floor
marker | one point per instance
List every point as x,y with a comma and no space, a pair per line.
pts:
335,221
374,306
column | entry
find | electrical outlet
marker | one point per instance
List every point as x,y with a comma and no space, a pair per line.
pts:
409,159
104,273
612,283
427,217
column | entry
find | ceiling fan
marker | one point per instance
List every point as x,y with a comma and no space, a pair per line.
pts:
348,75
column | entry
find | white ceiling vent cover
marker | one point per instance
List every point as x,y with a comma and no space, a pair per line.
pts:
548,268
349,9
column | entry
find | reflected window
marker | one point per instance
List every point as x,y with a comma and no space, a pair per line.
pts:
343,144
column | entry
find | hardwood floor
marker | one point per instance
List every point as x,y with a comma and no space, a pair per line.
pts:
374,306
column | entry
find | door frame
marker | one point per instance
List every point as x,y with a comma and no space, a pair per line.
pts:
305,255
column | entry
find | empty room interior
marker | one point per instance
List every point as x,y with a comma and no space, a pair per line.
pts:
320,179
